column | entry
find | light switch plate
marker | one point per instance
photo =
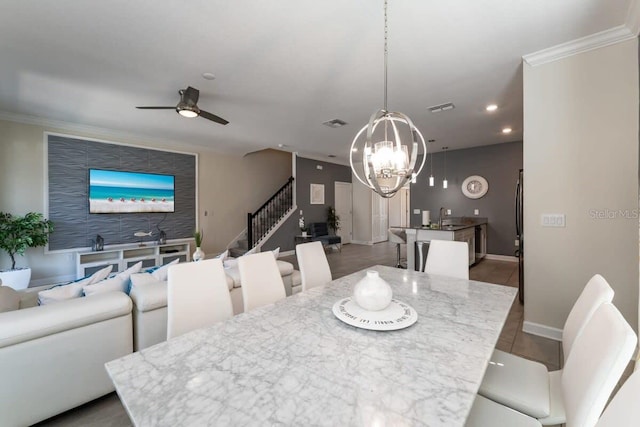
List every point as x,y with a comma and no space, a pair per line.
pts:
448,211
319,167
552,220
300,211
416,211
476,211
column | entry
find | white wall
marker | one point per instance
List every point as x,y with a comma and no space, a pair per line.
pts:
581,157
229,187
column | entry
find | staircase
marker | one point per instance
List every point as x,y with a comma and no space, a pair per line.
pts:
264,221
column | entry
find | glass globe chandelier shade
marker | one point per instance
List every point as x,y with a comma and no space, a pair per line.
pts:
384,157
384,153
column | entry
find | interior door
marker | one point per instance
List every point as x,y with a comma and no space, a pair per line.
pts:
379,217
399,209
344,210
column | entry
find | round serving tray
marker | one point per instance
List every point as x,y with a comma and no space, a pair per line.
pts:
397,315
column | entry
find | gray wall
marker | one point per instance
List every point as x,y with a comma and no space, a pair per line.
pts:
307,173
499,164
69,161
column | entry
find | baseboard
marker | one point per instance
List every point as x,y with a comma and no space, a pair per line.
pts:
287,253
51,280
542,330
362,242
501,258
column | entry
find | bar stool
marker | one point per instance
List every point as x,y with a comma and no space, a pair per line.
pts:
399,237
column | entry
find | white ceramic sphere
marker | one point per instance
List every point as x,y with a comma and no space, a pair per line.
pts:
372,293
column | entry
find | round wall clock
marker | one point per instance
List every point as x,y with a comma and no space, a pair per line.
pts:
475,187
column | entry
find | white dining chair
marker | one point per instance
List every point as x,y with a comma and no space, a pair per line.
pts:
578,395
313,265
522,384
623,410
261,280
197,296
448,258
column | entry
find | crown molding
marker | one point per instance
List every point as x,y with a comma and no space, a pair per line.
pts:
103,133
584,44
633,17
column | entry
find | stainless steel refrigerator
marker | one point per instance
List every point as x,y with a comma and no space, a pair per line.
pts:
520,235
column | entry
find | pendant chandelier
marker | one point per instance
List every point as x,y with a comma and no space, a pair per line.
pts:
380,156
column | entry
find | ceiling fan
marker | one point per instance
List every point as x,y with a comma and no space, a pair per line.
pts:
188,107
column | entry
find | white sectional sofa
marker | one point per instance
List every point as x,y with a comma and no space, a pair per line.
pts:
52,357
150,303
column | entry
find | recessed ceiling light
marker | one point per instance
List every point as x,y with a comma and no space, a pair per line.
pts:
209,76
431,140
506,130
282,145
331,155
492,107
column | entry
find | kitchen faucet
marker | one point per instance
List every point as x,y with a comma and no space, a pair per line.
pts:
442,213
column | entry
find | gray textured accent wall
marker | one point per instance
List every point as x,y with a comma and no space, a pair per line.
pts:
499,164
69,161
307,173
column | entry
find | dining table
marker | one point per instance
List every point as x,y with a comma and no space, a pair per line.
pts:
295,363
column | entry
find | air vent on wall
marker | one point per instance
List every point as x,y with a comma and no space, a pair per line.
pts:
335,123
442,107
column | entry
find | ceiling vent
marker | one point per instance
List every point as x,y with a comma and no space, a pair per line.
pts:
335,123
442,107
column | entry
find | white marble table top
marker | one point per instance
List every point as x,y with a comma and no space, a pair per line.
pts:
295,363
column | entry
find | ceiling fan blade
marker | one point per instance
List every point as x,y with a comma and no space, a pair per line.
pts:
213,117
156,108
191,95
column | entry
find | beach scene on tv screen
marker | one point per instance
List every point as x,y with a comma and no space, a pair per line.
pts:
130,192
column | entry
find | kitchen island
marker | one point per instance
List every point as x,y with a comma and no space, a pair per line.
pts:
462,229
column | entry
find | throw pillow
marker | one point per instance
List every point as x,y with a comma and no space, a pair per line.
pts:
161,273
9,299
73,289
230,262
101,274
125,276
222,256
141,278
107,285
63,292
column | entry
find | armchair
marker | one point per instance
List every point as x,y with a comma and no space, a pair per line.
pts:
320,233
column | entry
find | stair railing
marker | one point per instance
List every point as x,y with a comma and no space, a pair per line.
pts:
260,222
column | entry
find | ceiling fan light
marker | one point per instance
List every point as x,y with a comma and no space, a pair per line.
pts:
186,110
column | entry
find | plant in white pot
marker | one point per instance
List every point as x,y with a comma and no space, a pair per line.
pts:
198,254
17,233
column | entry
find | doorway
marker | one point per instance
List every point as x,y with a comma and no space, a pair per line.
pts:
399,206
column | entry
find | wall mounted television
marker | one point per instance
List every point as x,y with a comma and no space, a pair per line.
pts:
130,192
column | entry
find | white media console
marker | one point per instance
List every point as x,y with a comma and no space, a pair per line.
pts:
124,256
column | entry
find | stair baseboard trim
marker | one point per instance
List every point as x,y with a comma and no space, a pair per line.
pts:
287,253
507,258
542,330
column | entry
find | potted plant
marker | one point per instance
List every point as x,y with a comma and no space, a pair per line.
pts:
333,220
198,254
17,233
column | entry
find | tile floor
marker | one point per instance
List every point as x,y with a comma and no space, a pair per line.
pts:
109,412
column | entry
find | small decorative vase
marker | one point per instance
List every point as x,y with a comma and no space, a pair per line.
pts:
304,234
372,293
198,254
